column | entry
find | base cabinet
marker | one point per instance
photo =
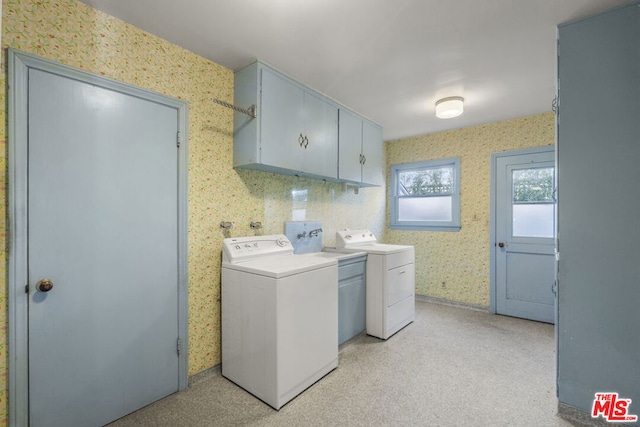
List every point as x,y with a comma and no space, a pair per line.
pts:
351,298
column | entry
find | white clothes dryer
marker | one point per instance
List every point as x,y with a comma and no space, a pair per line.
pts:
279,317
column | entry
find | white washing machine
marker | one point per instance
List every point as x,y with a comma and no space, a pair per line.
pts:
390,281
279,317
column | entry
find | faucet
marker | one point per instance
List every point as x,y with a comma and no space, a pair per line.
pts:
302,235
315,233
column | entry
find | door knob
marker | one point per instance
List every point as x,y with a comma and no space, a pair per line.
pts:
45,285
501,244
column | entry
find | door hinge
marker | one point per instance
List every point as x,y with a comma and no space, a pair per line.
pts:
178,139
179,346
26,289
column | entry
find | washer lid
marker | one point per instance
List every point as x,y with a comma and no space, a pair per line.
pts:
282,265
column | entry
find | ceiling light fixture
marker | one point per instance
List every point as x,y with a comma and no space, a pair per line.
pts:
447,108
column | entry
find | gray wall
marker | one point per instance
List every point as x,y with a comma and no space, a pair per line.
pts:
599,208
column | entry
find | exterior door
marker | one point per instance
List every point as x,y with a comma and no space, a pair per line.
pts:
524,246
103,228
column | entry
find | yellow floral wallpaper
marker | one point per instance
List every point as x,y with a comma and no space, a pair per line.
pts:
74,34
455,265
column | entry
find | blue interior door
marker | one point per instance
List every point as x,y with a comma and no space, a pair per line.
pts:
103,229
525,236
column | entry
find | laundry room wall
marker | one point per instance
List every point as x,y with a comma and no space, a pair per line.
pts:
77,35
455,266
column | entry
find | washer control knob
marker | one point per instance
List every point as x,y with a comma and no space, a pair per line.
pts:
281,242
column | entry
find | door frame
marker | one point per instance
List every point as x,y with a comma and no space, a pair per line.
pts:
19,64
493,217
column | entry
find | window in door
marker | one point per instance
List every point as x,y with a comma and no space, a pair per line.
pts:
426,195
533,202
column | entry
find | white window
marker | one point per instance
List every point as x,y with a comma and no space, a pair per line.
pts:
426,195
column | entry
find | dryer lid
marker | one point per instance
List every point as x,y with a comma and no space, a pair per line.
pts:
380,248
349,238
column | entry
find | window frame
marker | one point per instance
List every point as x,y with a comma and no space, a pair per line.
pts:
532,239
394,197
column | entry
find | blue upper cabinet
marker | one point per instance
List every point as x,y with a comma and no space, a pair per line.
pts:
372,154
360,150
296,131
320,136
280,114
350,162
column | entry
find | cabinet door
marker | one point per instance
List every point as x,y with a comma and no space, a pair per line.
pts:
321,130
280,122
350,147
372,150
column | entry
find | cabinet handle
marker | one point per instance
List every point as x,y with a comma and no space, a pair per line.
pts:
364,159
360,158
306,141
300,140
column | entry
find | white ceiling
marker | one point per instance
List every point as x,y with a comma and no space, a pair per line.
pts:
390,60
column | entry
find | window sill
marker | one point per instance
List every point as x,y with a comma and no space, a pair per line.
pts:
425,227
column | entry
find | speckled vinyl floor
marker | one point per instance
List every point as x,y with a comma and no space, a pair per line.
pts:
451,367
